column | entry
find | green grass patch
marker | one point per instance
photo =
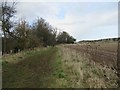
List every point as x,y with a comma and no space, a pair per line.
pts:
33,70
59,74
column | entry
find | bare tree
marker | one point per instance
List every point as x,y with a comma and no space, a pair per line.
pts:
8,11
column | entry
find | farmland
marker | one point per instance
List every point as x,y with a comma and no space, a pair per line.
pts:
81,65
102,52
84,72
55,45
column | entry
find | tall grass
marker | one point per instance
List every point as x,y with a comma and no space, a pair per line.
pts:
85,73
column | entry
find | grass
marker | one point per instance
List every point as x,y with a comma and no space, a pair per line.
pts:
59,74
85,73
55,67
33,69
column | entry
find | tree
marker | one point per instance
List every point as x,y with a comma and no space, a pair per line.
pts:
45,32
7,13
64,37
24,36
71,39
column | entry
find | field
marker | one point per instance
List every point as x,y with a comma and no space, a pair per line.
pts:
59,45
102,52
84,72
84,65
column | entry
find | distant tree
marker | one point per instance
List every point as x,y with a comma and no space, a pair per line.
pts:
71,39
64,37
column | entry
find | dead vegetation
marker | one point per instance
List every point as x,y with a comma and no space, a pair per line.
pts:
83,72
100,52
61,67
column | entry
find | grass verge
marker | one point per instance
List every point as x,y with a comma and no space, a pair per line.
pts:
60,78
29,69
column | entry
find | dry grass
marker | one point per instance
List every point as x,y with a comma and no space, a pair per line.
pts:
83,72
101,52
14,58
60,67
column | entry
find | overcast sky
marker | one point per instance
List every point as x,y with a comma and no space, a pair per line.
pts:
82,20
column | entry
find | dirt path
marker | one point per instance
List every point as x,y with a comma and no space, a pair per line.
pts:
32,72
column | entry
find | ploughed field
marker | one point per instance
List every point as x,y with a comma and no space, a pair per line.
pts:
104,53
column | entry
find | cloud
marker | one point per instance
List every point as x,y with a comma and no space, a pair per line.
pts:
33,10
75,18
79,25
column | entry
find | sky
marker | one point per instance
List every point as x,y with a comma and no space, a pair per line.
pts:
83,20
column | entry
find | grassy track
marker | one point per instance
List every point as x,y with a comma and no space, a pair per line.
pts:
35,70
55,67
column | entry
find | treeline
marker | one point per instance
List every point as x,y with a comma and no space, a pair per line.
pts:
101,40
20,35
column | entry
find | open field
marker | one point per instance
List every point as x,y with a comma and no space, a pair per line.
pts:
63,66
85,73
56,44
102,52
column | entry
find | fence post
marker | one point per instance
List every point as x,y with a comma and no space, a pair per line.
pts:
118,62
